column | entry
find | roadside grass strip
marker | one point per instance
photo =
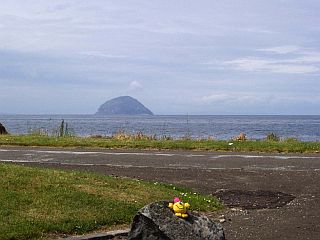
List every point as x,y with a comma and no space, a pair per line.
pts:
40,203
283,146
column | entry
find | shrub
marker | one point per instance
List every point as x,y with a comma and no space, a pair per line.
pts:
273,137
240,137
291,140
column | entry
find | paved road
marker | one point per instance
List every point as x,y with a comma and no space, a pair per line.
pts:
209,172
159,160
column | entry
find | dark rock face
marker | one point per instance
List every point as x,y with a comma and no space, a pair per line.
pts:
157,222
3,130
124,105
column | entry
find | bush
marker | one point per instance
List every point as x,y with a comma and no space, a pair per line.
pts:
291,140
273,137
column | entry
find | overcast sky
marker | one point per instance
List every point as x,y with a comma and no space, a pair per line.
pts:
176,57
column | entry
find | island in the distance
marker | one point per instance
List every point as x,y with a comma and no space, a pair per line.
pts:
124,105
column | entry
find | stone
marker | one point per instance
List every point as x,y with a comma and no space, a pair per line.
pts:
222,219
3,130
157,222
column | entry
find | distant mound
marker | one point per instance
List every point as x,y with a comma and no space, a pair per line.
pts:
124,105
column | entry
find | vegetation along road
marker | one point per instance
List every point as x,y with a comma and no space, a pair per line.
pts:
270,196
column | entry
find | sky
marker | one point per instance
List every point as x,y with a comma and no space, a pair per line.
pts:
176,57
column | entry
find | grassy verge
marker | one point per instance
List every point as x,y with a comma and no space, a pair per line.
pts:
37,203
286,146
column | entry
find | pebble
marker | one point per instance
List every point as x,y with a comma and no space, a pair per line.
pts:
222,219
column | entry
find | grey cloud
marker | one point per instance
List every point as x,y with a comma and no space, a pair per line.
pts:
170,52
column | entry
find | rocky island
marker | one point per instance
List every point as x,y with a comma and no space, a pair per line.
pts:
124,105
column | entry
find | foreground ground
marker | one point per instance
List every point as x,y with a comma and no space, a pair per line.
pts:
293,175
38,203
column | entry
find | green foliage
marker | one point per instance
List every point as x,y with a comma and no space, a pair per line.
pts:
61,129
273,137
37,202
291,140
64,130
142,142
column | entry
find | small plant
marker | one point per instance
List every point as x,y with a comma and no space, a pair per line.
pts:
211,138
186,137
166,138
61,129
273,137
97,136
64,130
139,136
240,137
38,132
291,140
188,134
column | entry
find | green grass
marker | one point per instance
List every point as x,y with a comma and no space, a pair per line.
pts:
38,203
286,146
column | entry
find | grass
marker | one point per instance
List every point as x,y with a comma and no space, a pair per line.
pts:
285,146
39,203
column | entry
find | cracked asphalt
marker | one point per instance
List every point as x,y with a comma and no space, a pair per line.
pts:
209,172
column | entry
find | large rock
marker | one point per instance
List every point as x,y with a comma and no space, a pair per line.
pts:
3,130
124,105
157,221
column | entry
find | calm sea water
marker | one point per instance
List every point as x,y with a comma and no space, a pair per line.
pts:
305,128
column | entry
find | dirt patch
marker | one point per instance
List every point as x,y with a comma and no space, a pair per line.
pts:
254,199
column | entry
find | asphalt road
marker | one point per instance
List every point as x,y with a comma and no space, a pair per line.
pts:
209,172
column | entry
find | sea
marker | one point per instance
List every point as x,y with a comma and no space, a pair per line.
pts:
222,127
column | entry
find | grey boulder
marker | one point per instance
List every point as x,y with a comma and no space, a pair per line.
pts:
157,221
3,129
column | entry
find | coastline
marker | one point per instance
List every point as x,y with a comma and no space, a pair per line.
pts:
222,127
147,143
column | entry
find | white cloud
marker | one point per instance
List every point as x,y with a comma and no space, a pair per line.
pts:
275,66
103,55
257,30
215,98
309,57
249,64
302,62
230,97
252,98
299,69
135,85
282,49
